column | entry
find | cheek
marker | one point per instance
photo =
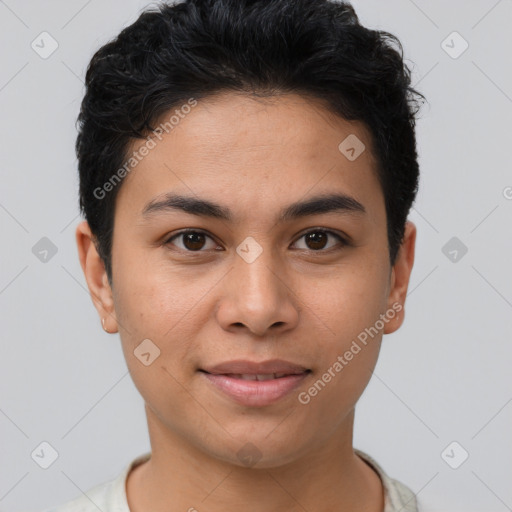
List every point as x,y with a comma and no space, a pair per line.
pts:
348,306
348,348
167,306
150,299
350,300
158,323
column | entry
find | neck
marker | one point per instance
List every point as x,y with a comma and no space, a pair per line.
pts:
180,477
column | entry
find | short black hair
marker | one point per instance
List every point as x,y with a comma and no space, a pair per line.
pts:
197,48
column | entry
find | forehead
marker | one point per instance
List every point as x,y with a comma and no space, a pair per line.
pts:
235,124
248,149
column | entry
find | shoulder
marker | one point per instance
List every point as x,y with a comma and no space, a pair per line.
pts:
99,497
398,497
107,497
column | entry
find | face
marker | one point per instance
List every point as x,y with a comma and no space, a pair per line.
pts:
286,266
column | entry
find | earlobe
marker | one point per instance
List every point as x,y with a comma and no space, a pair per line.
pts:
400,276
96,277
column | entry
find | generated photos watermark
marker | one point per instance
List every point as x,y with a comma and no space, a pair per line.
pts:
304,397
137,156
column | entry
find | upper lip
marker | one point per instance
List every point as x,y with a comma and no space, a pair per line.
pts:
245,367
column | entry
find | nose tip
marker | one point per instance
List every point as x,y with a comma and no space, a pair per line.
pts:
269,332
257,299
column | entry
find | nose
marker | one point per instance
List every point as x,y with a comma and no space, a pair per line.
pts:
258,297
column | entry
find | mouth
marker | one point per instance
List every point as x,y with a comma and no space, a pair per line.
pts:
255,384
258,377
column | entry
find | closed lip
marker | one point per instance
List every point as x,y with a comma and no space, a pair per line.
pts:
246,367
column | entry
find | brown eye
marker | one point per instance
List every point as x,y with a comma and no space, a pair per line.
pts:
191,240
317,240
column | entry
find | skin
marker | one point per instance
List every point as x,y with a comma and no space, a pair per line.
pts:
297,301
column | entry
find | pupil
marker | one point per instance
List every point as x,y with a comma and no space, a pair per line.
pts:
318,240
194,241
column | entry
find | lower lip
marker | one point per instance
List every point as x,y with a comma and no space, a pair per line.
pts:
256,393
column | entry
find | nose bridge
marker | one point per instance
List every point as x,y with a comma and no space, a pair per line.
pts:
256,273
258,297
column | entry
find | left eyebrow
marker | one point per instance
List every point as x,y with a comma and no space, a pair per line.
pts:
317,205
340,203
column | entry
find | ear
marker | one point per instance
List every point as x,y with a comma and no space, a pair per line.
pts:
96,277
400,274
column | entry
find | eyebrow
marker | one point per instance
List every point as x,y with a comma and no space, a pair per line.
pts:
317,205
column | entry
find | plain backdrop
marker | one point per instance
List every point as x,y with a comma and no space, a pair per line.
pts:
443,378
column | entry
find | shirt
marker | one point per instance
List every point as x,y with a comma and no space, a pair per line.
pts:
111,496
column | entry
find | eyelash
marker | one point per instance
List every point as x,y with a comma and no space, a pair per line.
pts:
342,240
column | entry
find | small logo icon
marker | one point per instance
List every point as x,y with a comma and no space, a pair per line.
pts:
249,249
507,192
44,455
44,250
454,455
454,45
44,45
351,147
146,352
249,455
454,250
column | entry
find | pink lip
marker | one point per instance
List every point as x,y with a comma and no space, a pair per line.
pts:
239,366
254,393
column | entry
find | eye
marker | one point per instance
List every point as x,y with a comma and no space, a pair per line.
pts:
316,240
192,240
195,240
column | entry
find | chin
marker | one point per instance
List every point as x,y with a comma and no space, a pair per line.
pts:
263,451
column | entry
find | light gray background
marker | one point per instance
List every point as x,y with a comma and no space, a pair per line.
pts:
444,376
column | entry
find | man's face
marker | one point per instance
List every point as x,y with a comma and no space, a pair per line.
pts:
251,287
